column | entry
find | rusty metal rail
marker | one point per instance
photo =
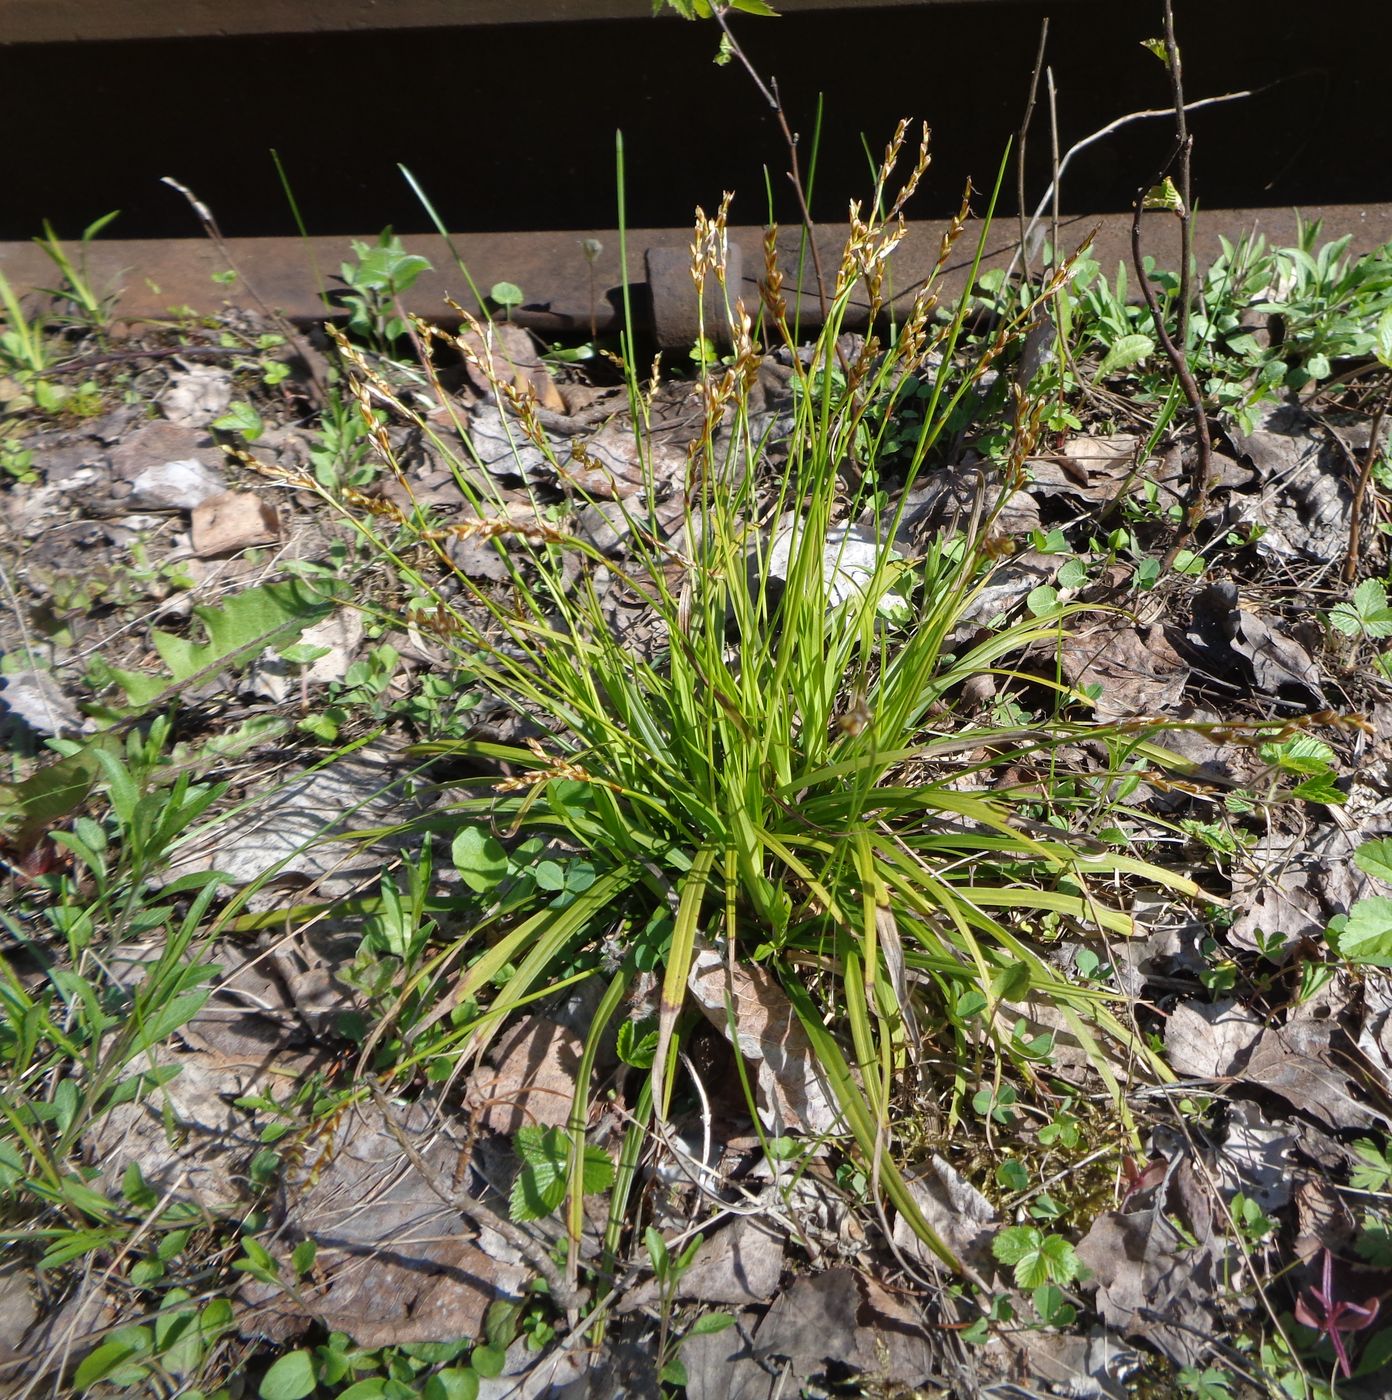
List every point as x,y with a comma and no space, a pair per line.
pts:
59,21
158,277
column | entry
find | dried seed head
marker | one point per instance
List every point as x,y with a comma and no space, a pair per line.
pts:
374,505
771,286
710,244
955,229
919,170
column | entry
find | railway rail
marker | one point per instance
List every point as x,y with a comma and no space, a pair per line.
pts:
566,294
58,21
120,95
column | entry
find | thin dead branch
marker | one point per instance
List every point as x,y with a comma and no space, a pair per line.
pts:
1360,491
769,92
1176,348
1022,140
312,360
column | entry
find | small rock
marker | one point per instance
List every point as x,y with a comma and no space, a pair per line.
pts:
197,395
232,521
157,443
178,485
37,699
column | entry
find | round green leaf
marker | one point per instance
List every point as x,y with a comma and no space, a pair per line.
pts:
291,1378
480,859
371,1389
489,1361
506,294
453,1383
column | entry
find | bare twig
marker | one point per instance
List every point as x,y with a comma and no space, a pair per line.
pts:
1186,149
1177,354
1360,491
1101,134
1054,156
769,92
302,347
1023,138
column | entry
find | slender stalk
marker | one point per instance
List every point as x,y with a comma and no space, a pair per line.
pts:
769,92
312,361
1020,146
1361,490
1185,146
1177,353
1054,155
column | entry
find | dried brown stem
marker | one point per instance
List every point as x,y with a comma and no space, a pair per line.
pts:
1186,147
1360,491
769,92
1177,353
1055,219
311,360
1023,138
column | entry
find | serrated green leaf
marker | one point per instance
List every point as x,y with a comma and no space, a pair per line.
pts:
1015,1242
637,1043
241,418
535,1145
538,1191
1301,754
598,1171
1375,858
1062,1258
1323,787
1343,617
1165,196
1370,596
1366,936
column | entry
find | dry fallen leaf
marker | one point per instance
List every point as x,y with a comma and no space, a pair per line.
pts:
840,1318
792,1092
1210,1041
531,1081
1150,1282
961,1215
1138,670
395,1263
233,521
1300,1062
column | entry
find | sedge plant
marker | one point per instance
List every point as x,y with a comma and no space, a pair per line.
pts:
784,774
